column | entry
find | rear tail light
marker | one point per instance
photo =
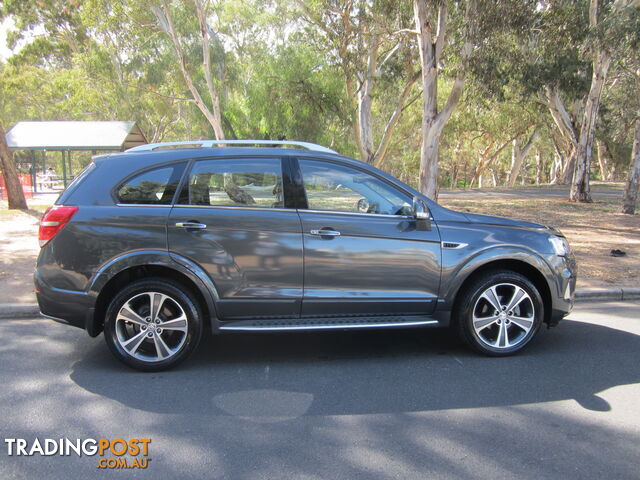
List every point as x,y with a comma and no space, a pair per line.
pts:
53,221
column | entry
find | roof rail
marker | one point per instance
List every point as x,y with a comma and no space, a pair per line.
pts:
214,143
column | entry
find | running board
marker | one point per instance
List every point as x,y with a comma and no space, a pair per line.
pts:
325,323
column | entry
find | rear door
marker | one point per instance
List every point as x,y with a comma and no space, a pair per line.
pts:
363,253
231,219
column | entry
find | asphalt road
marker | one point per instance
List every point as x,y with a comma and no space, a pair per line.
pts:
385,404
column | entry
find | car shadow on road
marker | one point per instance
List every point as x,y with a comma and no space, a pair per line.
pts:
350,373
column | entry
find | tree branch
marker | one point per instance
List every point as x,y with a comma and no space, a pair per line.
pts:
206,63
560,115
393,120
165,22
442,28
467,50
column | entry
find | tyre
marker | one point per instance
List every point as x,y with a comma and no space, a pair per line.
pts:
499,313
153,324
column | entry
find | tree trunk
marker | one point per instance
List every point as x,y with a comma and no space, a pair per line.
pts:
365,101
428,178
516,159
538,168
603,160
518,154
584,153
631,191
15,194
556,164
454,173
568,170
430,45
234,192
567,130
580,191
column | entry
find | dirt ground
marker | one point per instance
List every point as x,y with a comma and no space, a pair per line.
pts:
18,250
593,231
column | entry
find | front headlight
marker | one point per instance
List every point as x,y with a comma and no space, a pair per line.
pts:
560,245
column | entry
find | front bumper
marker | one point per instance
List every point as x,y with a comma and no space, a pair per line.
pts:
563,299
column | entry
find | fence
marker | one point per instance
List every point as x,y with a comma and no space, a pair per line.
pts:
25,181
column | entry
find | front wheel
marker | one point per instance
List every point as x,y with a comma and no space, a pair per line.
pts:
499,313
153,324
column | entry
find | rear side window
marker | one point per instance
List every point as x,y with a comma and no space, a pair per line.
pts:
75,182
152,187
235,182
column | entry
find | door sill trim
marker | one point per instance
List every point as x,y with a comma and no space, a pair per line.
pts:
325,324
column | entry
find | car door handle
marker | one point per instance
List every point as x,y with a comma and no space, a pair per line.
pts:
191,225
325,232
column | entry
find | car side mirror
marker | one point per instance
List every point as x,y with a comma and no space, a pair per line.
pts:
421,214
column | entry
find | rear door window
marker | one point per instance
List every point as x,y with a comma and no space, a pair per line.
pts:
235,182
151,187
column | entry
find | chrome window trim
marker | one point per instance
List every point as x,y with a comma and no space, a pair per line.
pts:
237,207
165,205
358,214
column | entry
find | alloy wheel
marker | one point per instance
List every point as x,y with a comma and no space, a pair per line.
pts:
503,316
151,326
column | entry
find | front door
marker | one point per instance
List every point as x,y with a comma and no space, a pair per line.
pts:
363,254
231,220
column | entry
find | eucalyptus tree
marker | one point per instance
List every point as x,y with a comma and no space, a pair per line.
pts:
630,198
15,195
454,38
369,42
573,51
607,27
165,13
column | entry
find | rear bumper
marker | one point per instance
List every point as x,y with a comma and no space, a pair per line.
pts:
64,306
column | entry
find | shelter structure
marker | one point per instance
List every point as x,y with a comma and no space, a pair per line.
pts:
68,136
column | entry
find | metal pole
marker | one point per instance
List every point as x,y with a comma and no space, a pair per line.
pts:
69,160
33,171
44,163
64,170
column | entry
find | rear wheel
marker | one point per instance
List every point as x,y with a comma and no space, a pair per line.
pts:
153,324
499,313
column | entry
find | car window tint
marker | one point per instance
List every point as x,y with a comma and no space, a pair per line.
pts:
340,188
236,182
155,186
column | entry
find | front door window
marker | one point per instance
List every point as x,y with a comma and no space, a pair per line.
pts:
338,188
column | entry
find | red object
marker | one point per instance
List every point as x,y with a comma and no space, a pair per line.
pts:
54,220
25,181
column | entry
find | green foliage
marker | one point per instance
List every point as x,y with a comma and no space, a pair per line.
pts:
281,68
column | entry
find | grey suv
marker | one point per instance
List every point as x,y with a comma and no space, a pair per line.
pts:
156,244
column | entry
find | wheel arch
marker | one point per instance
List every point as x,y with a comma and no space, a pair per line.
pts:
112,279
518,265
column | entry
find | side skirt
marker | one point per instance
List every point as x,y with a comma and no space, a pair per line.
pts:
327,323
